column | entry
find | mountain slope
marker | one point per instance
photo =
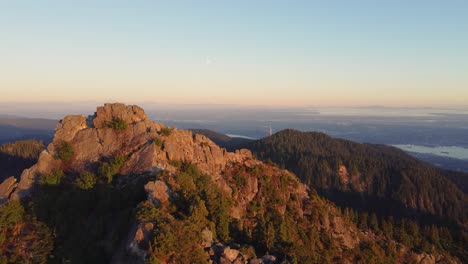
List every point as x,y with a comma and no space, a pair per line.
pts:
335,165
373,179
116,187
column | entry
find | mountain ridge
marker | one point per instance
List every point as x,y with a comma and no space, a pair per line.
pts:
331,164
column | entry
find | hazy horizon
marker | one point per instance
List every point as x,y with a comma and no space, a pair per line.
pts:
59,109
267,53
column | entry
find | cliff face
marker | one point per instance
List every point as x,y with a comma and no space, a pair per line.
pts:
202,201
142,142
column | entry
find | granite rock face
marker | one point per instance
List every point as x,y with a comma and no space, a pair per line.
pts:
129,114
45,164
92,141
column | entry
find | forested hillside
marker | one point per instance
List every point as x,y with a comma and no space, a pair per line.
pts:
370,178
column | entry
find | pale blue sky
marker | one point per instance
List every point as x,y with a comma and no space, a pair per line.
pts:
313,53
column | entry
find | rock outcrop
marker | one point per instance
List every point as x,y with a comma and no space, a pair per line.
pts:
139,241
109,112
158,192
45,164
92,140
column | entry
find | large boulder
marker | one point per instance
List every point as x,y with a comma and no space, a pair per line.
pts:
268,259
67,128
230,254
130,114
158,192
207,238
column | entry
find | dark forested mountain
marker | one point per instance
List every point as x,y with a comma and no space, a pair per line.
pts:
370,178
118,188
17,156
337,166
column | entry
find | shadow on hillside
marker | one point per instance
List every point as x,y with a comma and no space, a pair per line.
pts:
13,165
10,133
89,225
385,207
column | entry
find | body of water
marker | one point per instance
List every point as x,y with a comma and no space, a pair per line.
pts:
445,151
240,136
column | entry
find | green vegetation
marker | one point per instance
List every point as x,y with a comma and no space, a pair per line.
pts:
240,181
86,181
117,124
166,131
65,151
23,239
409,232
110,168
10,213
26,149
147,212
176,163
158,142
54,178
199,205
88,224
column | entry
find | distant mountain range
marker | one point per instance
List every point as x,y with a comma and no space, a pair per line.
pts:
17,128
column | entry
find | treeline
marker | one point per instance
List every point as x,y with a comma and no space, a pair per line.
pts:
26,149
17,156
415,234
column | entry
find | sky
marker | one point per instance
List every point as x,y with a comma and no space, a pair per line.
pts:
285,53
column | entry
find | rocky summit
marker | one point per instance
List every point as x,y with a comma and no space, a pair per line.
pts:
116,187
93,138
